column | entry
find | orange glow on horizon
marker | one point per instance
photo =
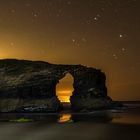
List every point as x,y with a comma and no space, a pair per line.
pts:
64,92
64,95
64,99
64,88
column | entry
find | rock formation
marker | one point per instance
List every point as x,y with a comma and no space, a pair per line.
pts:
30,86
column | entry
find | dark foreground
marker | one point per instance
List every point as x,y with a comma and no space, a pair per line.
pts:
104,125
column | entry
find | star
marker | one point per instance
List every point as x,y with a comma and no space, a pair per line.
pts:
123,49
73,40
11,44
35,14
84,39
95,18
13,11
69,3
121,36
115,56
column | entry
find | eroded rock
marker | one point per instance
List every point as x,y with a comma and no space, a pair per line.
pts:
30,86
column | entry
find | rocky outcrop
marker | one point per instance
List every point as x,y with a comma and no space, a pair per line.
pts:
30,86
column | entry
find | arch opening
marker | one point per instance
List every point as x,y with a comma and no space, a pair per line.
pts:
65,88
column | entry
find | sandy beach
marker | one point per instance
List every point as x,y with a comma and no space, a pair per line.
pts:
122,126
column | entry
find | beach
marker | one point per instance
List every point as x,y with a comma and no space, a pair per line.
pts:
123,125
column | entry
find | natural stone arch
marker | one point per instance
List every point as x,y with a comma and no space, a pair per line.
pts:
32,84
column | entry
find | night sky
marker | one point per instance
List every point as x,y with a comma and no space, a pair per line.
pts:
100,33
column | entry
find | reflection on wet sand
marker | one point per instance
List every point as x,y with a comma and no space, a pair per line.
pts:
65,118
55,117
97,125
127,117
66,126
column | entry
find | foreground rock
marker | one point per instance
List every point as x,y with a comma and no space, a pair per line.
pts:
29,86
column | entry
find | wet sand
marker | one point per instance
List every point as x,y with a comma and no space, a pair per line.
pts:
69,131
121,125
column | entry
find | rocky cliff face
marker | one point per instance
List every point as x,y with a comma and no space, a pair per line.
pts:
29,86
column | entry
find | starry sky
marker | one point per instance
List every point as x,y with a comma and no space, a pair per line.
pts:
98,33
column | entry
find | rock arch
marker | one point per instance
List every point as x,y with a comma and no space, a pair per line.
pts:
29,86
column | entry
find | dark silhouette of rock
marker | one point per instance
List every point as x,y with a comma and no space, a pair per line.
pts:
29,86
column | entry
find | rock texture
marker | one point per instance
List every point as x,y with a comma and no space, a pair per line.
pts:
30,86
